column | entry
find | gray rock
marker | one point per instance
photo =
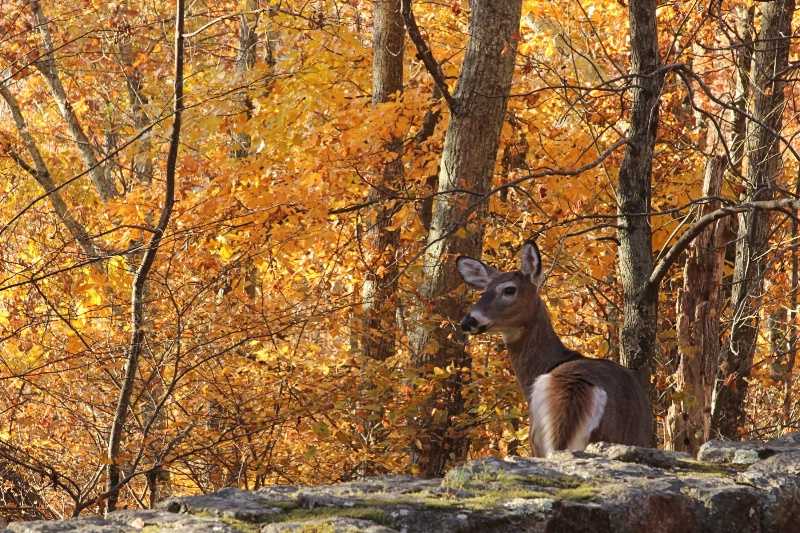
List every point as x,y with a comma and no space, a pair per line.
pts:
790,440
334,524
719,508
227,503
778,499
607,488
167,522
636,454
787,463
746,452
84,524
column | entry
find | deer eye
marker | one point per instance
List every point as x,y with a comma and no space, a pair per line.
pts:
510,291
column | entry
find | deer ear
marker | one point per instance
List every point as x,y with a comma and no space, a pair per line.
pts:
532,262
475,273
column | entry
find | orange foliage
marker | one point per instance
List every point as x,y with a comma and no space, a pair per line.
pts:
252,372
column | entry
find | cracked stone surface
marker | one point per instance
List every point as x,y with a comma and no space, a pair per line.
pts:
734,487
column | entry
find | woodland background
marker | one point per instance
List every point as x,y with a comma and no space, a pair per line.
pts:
227,257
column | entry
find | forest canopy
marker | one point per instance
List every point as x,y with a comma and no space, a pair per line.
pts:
228,230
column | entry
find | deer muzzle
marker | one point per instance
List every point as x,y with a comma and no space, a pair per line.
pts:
470,324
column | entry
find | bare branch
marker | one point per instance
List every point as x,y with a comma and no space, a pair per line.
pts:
695,229
425,54
141,276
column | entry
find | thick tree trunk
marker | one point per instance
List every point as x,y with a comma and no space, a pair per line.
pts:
468,160
764,164
698,312
640,298
380,284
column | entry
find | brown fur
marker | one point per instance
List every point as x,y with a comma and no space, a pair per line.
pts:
570,397
578,387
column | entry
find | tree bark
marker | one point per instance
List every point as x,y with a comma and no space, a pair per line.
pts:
698,312
744,58
113,482
764,164
245,62
47,66
640,298
142,160
41,174
467,167
380,285
792,318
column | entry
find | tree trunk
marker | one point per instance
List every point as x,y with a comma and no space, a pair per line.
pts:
245,62
468,160
792,318
41,173
777,320
142,160
770,61
46,64
115,481
698,312
380,284
744,29
640,298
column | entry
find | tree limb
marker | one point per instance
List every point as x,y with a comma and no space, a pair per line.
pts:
137,293
425,54
41,174
695,229
46,64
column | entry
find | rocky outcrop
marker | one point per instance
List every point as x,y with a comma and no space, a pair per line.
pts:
733,487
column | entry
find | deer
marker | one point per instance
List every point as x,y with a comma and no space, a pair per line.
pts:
573,400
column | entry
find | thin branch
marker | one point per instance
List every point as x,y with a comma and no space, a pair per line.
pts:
137,293
207,25
695,229
425,54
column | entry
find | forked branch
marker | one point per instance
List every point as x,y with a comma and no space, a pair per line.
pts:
703,222
137,294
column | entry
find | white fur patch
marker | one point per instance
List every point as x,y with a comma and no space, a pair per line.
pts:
582,434
509,334
542,421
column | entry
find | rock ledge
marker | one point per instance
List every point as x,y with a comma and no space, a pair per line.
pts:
733,487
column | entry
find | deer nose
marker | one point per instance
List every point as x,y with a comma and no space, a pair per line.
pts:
468,322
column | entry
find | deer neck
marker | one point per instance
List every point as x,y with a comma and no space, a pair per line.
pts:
535,348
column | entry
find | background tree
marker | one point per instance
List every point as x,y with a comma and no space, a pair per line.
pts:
477,111
254,366
699,304
381,237
763,169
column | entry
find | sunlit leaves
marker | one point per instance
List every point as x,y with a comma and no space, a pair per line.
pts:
253,372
